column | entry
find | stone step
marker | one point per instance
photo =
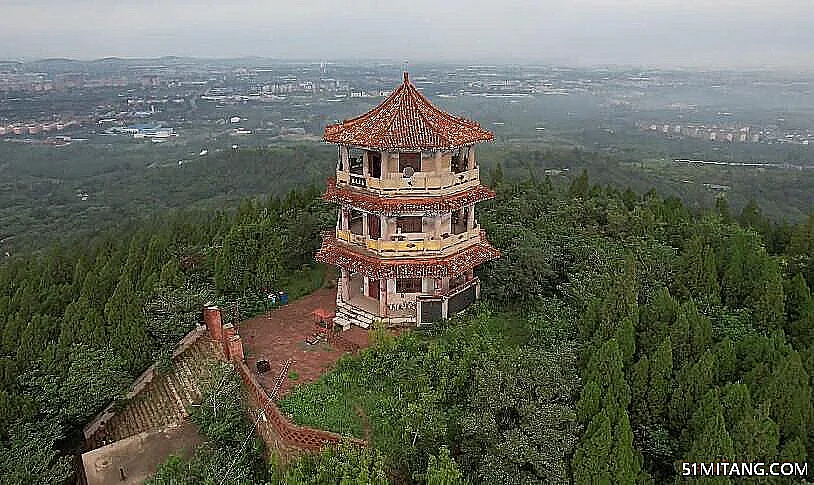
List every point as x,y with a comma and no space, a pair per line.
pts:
164,402
182,376
190,380
159,407
397,320
150,405
138,414
361,314
177,407
361,319
342,322
181,389
187,383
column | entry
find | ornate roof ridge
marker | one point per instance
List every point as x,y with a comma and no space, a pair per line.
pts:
407,120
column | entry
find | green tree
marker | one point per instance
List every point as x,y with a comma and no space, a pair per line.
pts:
30,456
710,441
91,379
605,453
443,470
580,185
791,389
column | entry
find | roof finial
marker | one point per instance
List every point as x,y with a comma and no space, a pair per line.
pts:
406,77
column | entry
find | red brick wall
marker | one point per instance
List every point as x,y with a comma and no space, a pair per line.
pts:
284,432
213,322
276,430
235,345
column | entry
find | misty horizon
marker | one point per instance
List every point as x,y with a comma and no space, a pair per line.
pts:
584,33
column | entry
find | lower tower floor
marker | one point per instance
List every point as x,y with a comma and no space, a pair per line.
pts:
362,300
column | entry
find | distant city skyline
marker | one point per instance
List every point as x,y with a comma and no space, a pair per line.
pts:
655,33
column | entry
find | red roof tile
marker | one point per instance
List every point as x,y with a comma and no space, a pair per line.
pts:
348,196
337,253
406,120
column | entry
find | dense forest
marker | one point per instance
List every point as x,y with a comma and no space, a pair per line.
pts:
620,334
80,322
43,189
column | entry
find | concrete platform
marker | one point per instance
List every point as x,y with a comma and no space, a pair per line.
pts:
138,457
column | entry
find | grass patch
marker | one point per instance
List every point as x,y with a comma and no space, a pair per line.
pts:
385,379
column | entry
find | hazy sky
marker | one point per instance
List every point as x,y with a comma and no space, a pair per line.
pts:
707,33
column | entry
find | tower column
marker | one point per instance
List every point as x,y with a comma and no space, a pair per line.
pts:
383,297
470,223
343,156
365,164
345,285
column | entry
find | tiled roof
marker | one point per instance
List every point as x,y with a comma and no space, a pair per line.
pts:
336,253
350,197
406,120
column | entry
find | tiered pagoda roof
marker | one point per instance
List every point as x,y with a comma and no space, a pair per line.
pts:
333,252
350,197
406,120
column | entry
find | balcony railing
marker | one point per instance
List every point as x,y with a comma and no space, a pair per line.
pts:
357,180
420,182
412,244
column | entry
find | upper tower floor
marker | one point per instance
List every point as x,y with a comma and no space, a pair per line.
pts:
423,171
405,144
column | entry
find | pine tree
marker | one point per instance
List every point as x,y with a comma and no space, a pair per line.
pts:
443,470
661,380
657,319
694,380
639,388
591,462
755,437
580,185
791,389
722,208
605,453
736,402
711,441
799,312
691,335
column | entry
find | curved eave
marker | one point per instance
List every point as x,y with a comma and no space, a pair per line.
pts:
336,253
387,205
416,148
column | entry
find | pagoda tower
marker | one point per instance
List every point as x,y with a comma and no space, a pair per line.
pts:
406,240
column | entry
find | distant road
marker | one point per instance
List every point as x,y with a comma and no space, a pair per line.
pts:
787,166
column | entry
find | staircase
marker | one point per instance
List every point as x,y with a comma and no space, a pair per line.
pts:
165,400
347,315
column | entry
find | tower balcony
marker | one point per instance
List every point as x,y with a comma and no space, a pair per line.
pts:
412,244
419,183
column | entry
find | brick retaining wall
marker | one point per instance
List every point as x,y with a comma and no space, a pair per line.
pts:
276,430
